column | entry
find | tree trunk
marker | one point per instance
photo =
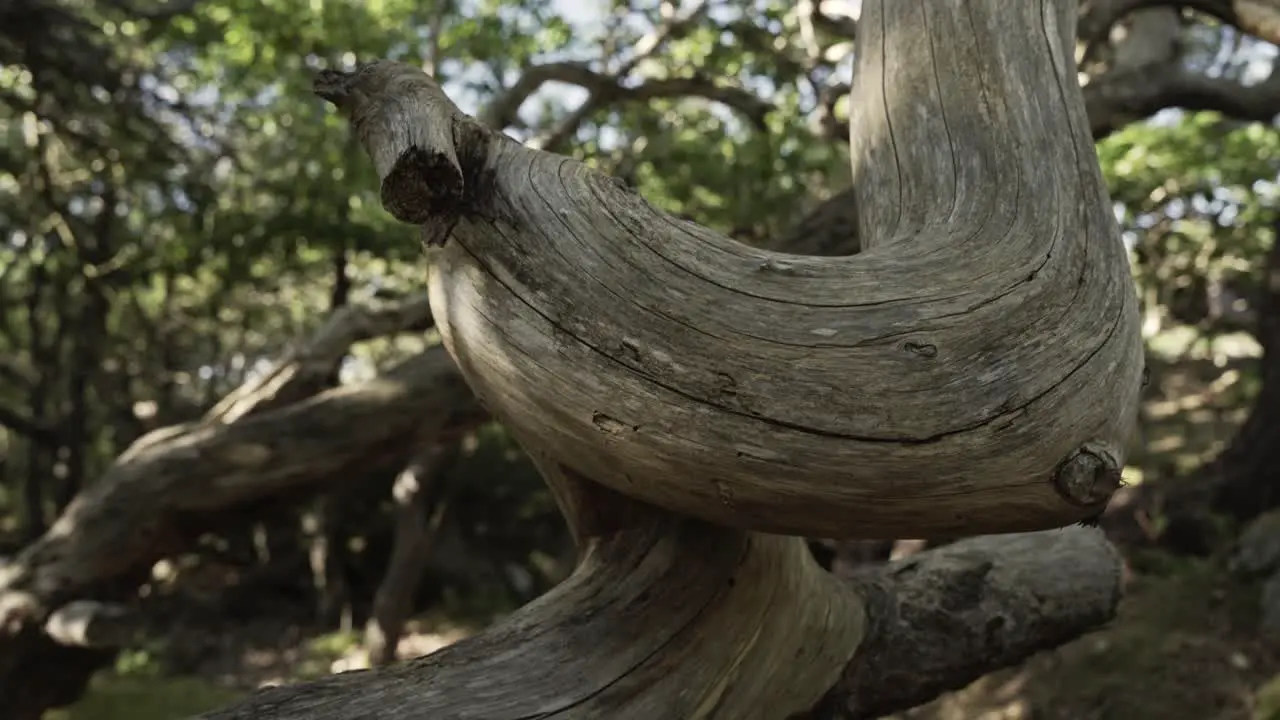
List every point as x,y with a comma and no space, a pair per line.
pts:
420,494
975,369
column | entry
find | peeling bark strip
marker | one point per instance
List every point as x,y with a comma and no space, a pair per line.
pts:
606,332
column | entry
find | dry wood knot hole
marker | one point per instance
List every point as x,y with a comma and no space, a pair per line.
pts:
422,186
921,349
1088,476
612,425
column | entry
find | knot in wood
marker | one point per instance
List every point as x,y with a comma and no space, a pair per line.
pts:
1088,476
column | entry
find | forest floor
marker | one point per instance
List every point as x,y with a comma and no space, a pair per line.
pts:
1183,646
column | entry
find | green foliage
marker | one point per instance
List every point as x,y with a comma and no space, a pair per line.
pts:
1197,196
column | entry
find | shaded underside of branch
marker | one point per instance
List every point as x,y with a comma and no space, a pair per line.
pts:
644,616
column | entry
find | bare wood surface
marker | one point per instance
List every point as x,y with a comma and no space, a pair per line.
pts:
621,645
669,619
931,387
975,368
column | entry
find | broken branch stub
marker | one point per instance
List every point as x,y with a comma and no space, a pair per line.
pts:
932,385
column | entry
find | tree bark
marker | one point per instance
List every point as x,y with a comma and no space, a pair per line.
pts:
996,600
976,369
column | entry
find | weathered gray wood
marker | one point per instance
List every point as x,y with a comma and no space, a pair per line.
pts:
640,632
668,618
929,386
998,597
975,369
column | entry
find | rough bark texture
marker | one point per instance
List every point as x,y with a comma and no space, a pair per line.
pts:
555,657
989,597
975,369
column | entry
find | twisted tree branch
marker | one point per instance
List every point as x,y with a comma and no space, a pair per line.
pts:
671,387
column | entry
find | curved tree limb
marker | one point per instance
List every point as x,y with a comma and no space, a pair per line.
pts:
138,511
1127,93
1117,98
998,597
1260,18
607,88
72,587
980,391
933,623
701,358
663,379
307,365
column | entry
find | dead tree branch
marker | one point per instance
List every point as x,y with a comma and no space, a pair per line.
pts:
979,372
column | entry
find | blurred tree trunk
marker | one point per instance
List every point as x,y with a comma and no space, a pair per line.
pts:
324,522
1247,473
421,496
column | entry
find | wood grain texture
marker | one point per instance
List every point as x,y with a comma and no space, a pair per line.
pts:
672,619
927,386
691,400
681,620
